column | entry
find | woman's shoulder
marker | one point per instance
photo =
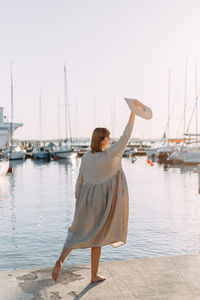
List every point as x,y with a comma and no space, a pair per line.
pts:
87,154
93,155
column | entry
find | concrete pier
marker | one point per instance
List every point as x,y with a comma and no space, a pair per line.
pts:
166,278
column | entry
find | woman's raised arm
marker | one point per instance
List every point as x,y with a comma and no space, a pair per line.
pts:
119,147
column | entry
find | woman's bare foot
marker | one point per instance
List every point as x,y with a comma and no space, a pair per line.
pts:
56,270
97,278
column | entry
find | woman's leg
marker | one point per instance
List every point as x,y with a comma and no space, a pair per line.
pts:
95,257
59,262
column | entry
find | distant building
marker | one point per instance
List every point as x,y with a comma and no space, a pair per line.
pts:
5,129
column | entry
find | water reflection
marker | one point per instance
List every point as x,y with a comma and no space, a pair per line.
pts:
13,216
68,164
40,162
16,163
4,185
183,168
38,204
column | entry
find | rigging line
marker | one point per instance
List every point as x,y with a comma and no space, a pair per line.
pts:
70,130
182,117
189,93
180,124
177,94
193,110
191,117
190,89
68,110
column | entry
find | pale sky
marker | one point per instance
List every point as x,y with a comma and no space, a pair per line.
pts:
112,49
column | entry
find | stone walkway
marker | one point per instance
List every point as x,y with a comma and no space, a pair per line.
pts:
166,278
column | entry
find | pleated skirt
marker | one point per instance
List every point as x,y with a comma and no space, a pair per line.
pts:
101,214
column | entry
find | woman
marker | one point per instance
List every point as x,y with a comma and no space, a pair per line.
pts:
101,210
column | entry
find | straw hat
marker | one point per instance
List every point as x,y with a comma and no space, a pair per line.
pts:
139,108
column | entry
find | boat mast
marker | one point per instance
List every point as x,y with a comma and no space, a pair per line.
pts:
58,118
65,89
12,125
169,88
185,98
40,106
76,120
67,104
196,96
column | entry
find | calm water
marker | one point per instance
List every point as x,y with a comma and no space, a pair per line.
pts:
37,205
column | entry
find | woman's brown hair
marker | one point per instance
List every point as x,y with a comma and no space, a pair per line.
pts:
98,135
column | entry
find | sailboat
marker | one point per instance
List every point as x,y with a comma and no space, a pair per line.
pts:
13,152
41,152
65,151
188,155
163,149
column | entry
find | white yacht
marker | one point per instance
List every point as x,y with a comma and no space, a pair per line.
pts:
12,153
191,156
186,155
5,129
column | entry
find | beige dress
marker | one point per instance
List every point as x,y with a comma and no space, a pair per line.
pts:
101,210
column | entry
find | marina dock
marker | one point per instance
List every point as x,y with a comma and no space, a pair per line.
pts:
166,278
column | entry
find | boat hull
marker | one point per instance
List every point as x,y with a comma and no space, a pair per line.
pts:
41,155
63,154
12,155
191,158
186,157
